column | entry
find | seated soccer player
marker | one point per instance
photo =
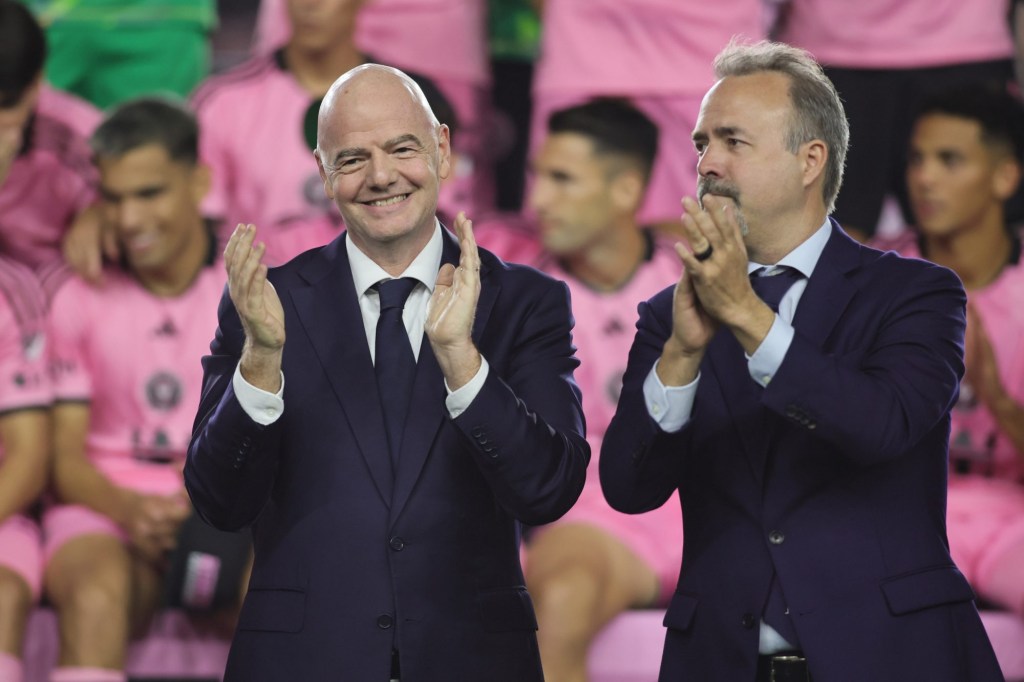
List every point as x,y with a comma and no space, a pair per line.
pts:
591,174
126,358
24,456
964,164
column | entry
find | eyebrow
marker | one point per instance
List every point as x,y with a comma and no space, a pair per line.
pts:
720,131
390,144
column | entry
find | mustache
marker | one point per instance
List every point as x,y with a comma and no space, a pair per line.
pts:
718,188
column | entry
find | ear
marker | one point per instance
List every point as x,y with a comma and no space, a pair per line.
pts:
328,190
627,190
444,152
1006,178
813,156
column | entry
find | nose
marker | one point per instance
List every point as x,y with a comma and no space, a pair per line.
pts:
381,173
127,215
920,173
709,162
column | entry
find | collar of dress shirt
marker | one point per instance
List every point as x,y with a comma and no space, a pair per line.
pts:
803,258
366,273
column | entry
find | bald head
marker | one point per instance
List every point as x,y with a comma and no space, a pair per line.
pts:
365,86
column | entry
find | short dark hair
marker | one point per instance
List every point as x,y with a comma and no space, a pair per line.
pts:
1000,115
22,51
148,120
614,126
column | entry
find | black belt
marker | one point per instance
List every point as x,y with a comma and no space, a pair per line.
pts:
790,666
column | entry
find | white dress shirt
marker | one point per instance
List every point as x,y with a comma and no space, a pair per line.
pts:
671,406
265,408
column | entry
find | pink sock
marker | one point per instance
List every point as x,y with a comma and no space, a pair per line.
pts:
10,668
70,674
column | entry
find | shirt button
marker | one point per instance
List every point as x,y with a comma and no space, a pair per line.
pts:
397,544
656,409
384,622
765,378
747,621
776,537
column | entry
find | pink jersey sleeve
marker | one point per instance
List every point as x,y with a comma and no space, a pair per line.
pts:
24,382
70,311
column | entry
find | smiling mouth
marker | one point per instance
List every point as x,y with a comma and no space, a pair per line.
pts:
390,201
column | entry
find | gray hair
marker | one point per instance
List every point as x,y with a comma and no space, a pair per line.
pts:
817,109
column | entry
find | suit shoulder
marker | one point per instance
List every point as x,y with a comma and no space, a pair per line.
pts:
892,266
518,274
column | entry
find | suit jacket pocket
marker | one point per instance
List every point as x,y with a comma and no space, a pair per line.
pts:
679,615
506,610
273,610
925,589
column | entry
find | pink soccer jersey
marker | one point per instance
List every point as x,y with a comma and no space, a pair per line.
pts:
985,501
900,34
23,385
135,358
251,134
605,326
50,182
658,53
23,378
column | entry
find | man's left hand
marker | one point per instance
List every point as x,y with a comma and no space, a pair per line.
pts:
452,308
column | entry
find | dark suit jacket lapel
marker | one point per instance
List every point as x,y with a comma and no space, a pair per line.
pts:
428,411
823,302
329,312
829,290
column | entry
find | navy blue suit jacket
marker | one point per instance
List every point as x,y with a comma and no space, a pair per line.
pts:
353,559
834,475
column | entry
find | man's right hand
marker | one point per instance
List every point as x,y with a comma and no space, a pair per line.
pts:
259,309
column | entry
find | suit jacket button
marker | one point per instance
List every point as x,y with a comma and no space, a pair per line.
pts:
747,621
776,537
384,622
397,544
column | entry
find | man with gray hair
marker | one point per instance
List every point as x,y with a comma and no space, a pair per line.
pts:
431,410
795,388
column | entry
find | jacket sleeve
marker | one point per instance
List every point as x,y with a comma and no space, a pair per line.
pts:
525,426
232,460
639,463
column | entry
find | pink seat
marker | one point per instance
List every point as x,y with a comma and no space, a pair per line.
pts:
629,649
171,648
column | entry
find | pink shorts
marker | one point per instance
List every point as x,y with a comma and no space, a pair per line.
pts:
984,518
656,537
21,550
675,167
62,523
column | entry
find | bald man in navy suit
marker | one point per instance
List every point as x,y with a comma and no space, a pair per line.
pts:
386,547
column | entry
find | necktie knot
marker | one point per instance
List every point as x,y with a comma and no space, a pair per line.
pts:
771,288
394,292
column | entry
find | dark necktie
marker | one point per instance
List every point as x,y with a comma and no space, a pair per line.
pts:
394,362
771,288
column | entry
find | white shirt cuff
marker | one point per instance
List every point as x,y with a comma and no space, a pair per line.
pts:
768,357
669,406
262,406
459,401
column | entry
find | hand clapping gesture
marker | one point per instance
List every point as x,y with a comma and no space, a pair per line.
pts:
452,308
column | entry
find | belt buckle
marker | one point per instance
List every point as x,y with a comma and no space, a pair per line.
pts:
789,668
